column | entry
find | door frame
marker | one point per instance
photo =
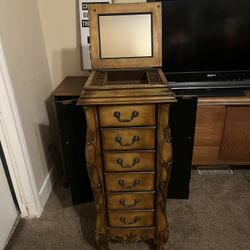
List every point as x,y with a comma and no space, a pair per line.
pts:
10,213
15,147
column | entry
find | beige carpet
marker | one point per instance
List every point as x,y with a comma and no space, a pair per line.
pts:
216,216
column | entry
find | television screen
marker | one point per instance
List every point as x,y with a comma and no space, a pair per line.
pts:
207,40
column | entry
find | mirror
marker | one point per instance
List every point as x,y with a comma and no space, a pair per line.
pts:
125,35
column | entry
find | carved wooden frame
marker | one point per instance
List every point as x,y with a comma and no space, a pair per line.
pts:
95,172
154,61
164,163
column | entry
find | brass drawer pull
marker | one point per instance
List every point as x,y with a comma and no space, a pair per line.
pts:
136,219
122,202
119,140
120,162
135,183
117,115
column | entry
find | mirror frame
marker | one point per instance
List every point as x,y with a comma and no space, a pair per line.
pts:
135,8
128,46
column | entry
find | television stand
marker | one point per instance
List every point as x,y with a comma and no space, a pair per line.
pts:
222,133
211,92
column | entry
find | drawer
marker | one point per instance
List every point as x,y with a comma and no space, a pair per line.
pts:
133,115
129,161
133,200
130,218
128,139
130,181
131,234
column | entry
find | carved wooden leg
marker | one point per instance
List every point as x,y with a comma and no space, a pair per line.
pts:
162,240
102,242
94,165
163,172
160,246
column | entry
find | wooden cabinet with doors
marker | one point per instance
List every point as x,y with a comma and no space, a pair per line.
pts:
222,134
69,131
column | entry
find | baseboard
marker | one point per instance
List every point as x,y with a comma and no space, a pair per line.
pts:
47,186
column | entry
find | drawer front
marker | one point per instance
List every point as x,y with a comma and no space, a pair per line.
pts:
131,200
130,182
131,218
131,234
136,115
128,139
129,161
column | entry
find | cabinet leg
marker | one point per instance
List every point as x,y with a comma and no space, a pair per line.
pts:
160,246
162,239
103,247
102,242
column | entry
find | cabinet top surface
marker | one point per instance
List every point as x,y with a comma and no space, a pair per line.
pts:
230,100
70,86
126,79
125,35
126,87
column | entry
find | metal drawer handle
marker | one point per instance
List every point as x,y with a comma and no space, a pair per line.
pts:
117,115
120,162
119,140
136,219
122,202
121,182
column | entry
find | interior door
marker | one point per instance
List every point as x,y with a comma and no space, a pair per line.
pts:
8,211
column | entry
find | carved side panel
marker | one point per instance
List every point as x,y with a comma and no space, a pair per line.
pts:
164,162
94,165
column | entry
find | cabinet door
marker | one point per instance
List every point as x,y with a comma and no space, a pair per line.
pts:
182,112
72,125
209,125
236,140
208,134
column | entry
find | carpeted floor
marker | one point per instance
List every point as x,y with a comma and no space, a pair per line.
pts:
216,216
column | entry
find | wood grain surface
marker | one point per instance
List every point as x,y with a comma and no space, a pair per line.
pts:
127,235
131,218
236,140
209,127
141,181
154,61
128,139
128,115
205,155
118,161
135,200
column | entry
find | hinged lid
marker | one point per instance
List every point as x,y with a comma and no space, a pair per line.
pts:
125,35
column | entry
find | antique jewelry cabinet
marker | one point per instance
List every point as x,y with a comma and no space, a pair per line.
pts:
126,101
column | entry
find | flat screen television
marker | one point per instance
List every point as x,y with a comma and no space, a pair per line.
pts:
206,43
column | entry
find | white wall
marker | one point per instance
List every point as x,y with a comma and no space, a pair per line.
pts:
24,49
60,23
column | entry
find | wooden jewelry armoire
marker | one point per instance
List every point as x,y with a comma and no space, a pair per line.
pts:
126,101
